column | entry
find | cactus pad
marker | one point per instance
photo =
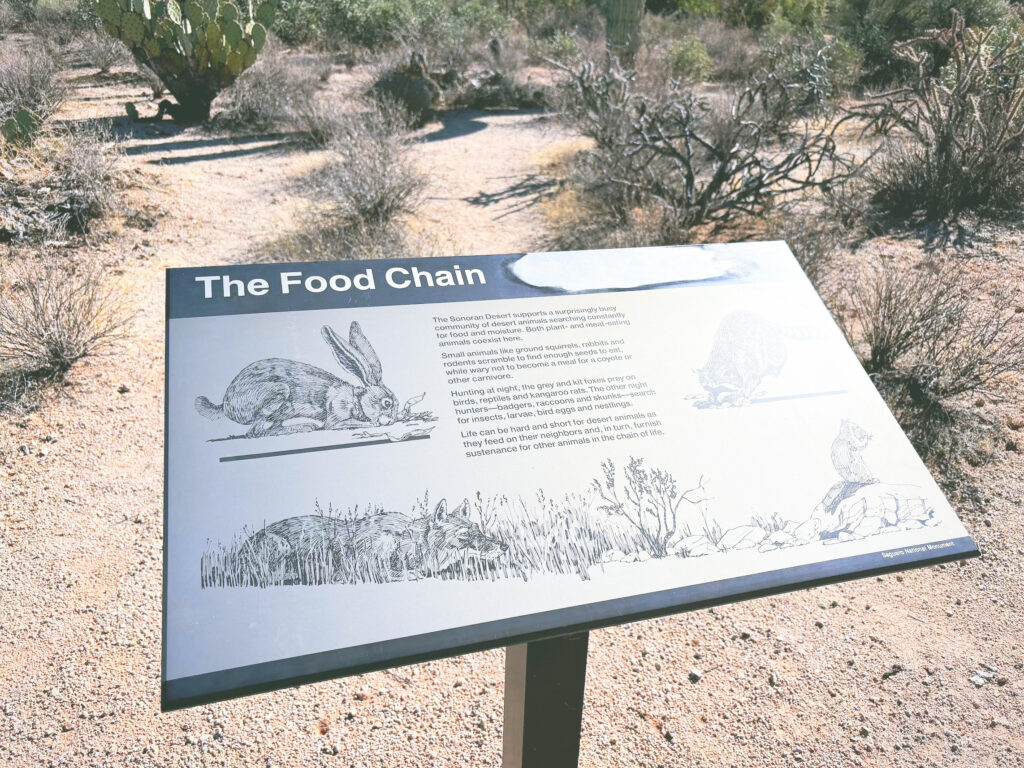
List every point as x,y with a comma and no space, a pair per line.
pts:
229,11
265,13
258,35
132,27
174,11
109,11
195,14
232,34
213,34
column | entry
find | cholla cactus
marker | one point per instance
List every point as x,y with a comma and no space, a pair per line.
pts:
196,47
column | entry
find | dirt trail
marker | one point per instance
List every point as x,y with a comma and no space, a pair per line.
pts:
486,180
873,673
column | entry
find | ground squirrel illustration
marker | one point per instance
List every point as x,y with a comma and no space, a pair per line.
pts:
846,453
849,463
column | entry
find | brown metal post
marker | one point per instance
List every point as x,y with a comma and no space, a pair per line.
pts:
544,684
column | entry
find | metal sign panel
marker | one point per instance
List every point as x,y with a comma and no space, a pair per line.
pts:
380,462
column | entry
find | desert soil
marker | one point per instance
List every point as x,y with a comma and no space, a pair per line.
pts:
921,669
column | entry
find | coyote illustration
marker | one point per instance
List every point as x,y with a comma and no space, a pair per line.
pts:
384,546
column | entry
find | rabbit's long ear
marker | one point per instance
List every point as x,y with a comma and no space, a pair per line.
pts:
362,345
347,357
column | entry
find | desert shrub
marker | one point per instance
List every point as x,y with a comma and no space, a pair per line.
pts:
52,315
675,162
8,17
84,166
323,119
954,138
560,46
494,79
814,71
732,49
649,501
67,181
875,26
370,177
689,59
321,236
934,340
268,94
814,238
21,11
29,79
102,51
362,194
449,31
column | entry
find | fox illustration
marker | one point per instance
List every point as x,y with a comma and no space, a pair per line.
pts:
384,546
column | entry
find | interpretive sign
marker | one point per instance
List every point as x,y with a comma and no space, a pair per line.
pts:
380,462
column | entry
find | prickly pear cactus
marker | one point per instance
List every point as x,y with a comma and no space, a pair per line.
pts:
196,47
20,129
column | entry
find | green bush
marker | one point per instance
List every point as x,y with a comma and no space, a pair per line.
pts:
689,59
299,21
543,19
368,23
377,23
875,26
757,14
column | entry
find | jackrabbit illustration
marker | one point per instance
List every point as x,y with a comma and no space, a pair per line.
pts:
268,393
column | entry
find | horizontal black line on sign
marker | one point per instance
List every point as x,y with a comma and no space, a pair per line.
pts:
316,448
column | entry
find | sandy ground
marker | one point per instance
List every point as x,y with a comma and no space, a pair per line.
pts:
871,673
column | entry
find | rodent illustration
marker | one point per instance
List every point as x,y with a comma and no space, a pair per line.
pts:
747,349
849,463
846,453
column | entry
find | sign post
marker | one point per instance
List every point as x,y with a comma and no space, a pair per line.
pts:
544,684
378,463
